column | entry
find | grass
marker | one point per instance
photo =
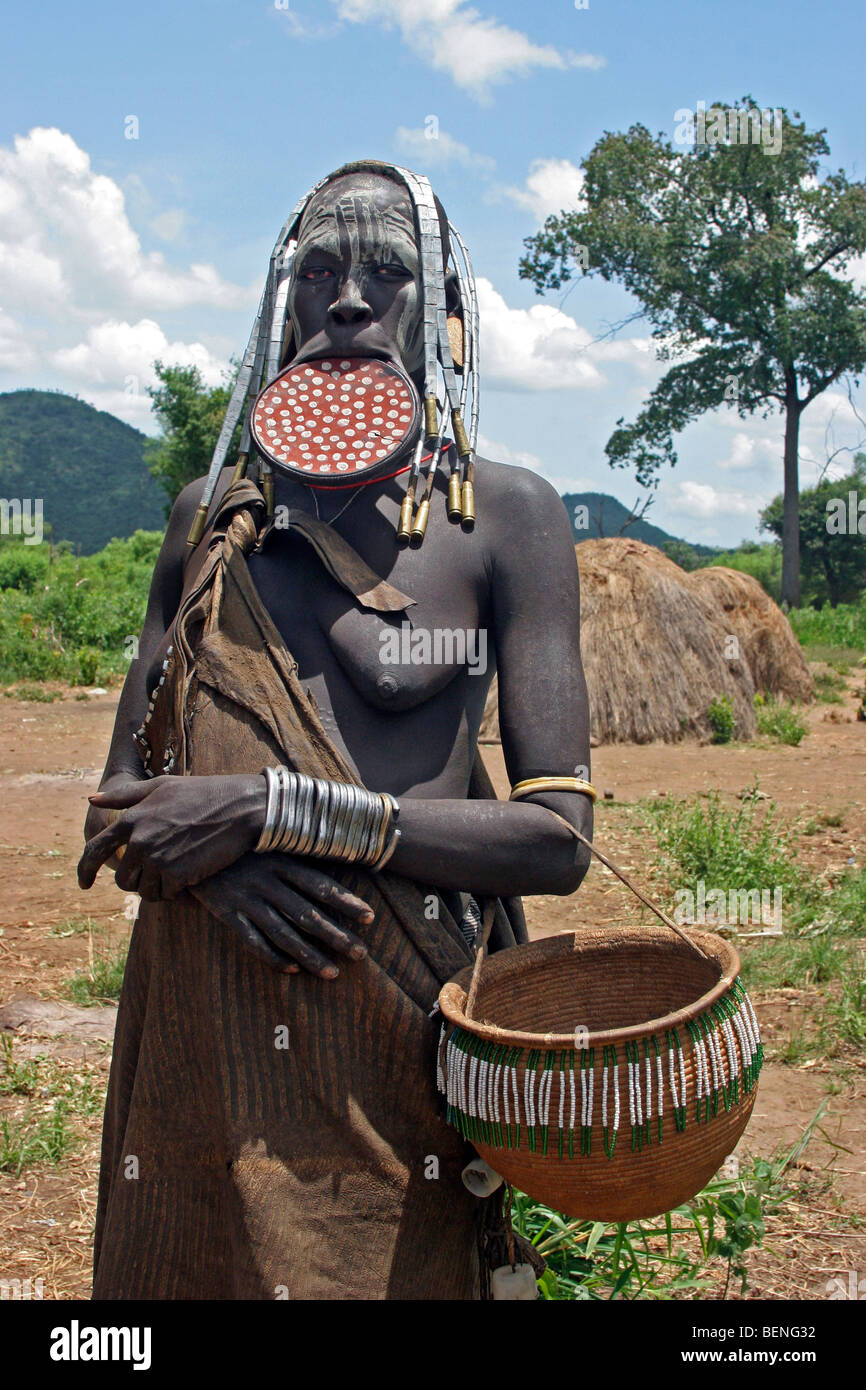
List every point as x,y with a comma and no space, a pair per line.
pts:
841,627
45,1139
746,846
739,847
76,926
841,659
668,1257
30,691
779,720
826,819
101,981
57,1099
829,687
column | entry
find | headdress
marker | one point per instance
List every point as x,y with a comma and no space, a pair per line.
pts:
450,351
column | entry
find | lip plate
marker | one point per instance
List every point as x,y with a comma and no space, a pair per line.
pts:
388,374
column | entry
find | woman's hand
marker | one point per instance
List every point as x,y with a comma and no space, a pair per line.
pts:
175,831
274,902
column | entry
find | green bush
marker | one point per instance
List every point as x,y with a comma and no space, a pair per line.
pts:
66,617
721,719
779,720
843,626
88,659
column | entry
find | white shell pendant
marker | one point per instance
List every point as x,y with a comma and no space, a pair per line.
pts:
480,1179
517,1282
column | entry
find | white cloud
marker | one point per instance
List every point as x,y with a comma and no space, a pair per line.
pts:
440,151
544,349
537,349
301,28
702,500
67,246
169,225
453,37
552,185
744,454
114,352
15,351
503,453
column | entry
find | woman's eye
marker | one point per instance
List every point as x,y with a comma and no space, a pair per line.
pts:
316,272
393,269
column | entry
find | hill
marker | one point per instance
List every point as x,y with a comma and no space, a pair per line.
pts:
86,465
605,516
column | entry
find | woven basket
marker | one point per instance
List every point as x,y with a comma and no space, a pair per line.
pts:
606,1073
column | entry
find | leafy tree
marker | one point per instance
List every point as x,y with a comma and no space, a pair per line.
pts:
191,417
738,256
682,554
833,560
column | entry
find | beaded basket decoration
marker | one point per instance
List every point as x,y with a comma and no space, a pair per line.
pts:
590,1081
336,418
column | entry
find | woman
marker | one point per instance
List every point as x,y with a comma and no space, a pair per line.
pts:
294,788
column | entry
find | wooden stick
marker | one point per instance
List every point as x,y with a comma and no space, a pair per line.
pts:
486,924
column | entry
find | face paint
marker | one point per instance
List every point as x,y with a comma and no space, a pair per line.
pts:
356,274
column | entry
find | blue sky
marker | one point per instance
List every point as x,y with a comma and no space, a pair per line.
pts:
115,250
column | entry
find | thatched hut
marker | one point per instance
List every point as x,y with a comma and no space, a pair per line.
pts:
660,645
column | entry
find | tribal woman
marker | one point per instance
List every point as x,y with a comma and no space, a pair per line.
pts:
294,789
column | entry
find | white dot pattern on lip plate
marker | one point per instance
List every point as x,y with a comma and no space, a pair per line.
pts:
345,403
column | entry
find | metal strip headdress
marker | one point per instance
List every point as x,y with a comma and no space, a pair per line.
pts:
261,363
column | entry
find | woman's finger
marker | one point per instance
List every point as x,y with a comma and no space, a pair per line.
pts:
256,942
302,913
101,848
124,796
281,934
323,888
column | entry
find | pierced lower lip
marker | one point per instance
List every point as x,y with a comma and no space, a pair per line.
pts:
320,354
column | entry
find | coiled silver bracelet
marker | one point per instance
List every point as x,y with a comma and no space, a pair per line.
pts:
328,820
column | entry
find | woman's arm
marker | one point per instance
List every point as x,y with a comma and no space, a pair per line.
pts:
123,763
517,847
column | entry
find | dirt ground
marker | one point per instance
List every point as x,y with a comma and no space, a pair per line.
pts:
51,756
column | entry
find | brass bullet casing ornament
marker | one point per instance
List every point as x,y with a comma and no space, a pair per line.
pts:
240,468
196,530
461,440
404,530
467,505
422,516
455,506
268,491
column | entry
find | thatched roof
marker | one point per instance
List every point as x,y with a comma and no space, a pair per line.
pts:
660,644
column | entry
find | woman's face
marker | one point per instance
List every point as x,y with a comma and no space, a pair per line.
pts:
356,278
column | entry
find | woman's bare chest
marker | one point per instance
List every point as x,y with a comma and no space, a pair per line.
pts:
395,661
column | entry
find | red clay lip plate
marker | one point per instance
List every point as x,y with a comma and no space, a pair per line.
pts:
336,418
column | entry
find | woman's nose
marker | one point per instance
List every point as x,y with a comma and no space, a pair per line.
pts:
350,307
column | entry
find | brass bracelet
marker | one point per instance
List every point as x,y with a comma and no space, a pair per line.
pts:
553,784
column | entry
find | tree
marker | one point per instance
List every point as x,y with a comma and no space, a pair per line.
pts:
832,545
738,255
191,417
682,554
